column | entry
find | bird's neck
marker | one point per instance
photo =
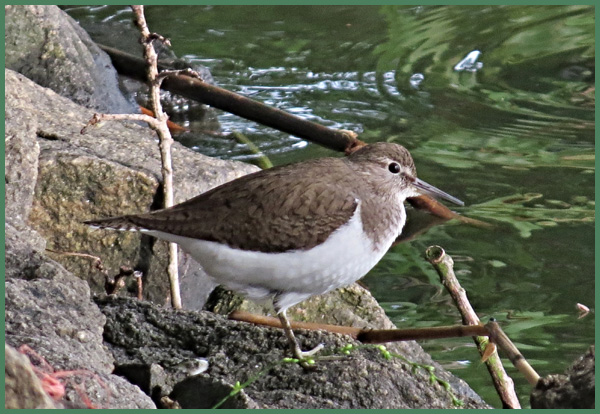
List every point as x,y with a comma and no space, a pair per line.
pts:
382,224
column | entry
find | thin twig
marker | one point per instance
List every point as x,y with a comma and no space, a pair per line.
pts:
165,139
159,124
98,118
96,261
140,284
168,72
368,335
444,265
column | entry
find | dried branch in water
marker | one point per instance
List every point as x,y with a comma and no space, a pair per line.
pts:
438,209
444,265
194,88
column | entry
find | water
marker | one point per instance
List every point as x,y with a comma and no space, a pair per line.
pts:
513,137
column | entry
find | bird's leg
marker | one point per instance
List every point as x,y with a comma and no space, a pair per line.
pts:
297,352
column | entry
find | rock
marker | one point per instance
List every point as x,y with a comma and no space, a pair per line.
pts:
21,165
111,170
213,392
350,306
575,389
54,316
20,173
22,387
141,334
25,260
71,324
47,46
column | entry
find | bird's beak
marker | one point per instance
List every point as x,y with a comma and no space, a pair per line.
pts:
428,189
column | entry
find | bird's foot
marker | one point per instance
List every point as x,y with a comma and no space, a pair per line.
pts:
305,358
307,354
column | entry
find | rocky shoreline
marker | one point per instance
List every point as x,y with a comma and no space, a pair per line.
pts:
129,353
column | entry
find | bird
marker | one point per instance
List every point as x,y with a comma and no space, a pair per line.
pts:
293,231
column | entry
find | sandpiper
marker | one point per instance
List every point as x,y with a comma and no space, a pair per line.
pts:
293,231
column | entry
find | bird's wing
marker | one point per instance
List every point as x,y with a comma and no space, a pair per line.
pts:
294,207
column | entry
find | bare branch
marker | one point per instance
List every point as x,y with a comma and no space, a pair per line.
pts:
368,335
96,261
165,140
98,118
444,265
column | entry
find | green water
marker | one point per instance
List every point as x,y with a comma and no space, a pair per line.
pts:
514,140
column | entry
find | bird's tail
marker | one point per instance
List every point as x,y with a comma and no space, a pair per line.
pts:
123,223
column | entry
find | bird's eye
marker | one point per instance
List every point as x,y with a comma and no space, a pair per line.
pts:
394,168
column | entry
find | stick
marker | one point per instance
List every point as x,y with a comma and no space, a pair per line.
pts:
498,336
262,161
234,103
438,209
368,336
444,265
165,141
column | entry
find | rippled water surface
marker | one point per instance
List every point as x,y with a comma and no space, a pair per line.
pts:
513,138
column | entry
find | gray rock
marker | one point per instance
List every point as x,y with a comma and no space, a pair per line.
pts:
141,334
111,170
21,165
55,317
575,389
48,46
69,318
350,306
25,260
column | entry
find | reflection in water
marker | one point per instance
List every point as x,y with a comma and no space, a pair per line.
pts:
469,63
514,139
416,80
